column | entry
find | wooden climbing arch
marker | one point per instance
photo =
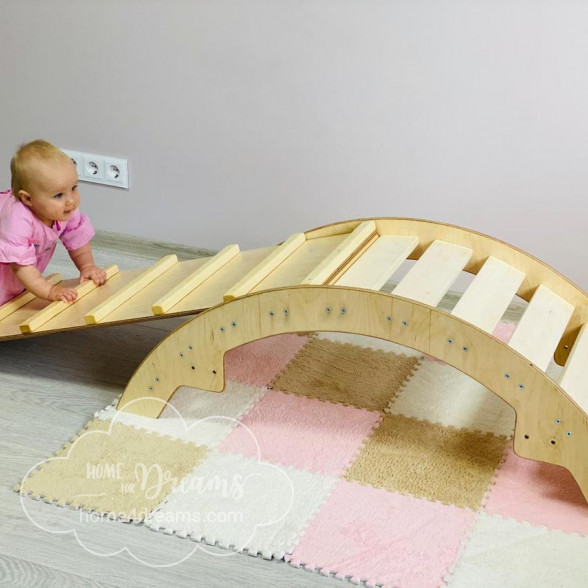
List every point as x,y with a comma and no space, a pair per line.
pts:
329,279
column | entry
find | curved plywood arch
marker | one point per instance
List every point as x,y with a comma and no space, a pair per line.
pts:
550,426
483,246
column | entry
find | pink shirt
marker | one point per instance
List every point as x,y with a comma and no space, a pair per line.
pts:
25,240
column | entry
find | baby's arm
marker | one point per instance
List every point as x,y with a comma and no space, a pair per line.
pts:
30,277
83,259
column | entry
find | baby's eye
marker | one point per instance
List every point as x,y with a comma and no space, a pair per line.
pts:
74,188
58,195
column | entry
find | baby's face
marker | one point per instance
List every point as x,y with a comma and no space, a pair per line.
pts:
54,194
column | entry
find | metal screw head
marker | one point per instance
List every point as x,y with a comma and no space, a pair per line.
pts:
405,323
328,309
157,379
222,329
190,347
557,421
233,324
450,341
507,376
465,348
271,313
522,386
150,387
343,310
181,354
569,433
388,318
285,312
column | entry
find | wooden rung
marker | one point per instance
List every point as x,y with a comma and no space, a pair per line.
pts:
263,269
541,327
574,377
55,308
341,254
105,308
165,303
489,294
433,274
13,305
376,265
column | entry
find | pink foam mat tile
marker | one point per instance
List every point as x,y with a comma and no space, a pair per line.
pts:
383,538
259,362
305,433
539,493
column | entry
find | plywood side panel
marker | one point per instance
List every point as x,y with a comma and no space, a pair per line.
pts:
574,378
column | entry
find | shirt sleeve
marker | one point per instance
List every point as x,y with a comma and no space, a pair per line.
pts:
16,243
78,232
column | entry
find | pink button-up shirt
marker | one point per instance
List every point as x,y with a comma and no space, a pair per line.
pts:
25,240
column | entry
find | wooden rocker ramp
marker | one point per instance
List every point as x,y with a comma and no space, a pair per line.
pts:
329,279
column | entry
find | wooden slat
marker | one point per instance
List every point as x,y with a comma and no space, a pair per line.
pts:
375,267
433,274
269,264
55,308
574,378
165,303
105,308
541,327
331,264
489,294
13,305
294,269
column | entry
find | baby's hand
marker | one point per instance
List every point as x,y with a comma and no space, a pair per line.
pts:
64,294
96,274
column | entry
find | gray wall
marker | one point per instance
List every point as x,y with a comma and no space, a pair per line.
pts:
246,120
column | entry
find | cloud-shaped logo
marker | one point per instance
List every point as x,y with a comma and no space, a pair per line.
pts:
118,470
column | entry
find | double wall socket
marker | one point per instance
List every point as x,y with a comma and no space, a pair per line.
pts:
100,169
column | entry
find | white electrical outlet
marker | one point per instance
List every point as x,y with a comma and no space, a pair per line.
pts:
100,169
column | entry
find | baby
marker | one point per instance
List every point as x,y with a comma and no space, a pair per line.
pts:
41,207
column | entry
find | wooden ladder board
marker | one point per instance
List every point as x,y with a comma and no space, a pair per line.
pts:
100,312
489,294
13,305
297,266
263,269
376,265
541,327
211,292
40,318
574,377
342,255
192,281
433,274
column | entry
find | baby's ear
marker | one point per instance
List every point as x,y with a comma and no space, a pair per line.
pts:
25,198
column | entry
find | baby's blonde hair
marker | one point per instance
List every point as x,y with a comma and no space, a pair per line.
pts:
22,164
